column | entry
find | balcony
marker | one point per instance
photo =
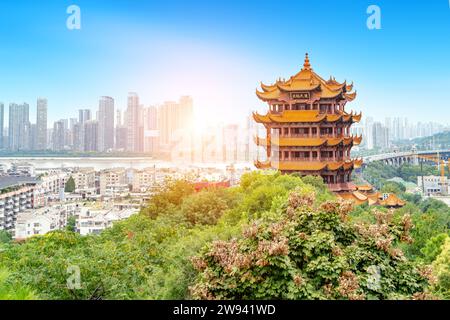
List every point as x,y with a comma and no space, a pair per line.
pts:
331,135
298,135
299,159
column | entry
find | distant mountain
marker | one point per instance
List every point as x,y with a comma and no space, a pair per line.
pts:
438,141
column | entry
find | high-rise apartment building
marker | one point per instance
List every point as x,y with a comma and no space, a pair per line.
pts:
91,136
121,132
106,124
149,116
2,121
41,124
84,115
19,127
380,136
175,119
134,123
368,138
58,135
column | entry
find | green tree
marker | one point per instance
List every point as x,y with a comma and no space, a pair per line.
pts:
71,224
432,221
205,207
441,267
393,187
5,236
11,291
433,247
169,197
70,185
311,251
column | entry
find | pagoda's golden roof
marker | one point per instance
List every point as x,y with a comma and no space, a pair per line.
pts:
373,199
306,80
305,116
356,197
308,142
365,188
306,165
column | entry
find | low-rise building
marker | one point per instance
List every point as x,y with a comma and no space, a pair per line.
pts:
95,221
84,179
41,221
143,180
50,186
110,178
433,185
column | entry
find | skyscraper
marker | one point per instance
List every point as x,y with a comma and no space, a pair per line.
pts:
84,115
58,135
149,116
106,124
174,119
368,138
41,124
380,136
19,127
133,123
77,138
2,115
121,132
91,136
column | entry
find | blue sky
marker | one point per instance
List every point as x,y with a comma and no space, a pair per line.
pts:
219,51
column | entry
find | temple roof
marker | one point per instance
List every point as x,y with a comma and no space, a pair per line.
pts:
309,165
311,116
373,199
309,142
306,80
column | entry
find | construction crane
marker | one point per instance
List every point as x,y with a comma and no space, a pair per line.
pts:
441,167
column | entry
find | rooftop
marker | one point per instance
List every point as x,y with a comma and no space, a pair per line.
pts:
7,181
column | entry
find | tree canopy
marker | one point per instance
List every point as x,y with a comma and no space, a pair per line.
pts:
277,242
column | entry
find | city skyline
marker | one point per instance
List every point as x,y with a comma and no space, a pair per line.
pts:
218,67
152,129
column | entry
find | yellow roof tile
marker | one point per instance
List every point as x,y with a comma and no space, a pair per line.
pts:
307,80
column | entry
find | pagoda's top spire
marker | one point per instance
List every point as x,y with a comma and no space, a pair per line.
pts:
306,64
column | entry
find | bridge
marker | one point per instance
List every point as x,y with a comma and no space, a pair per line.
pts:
409,157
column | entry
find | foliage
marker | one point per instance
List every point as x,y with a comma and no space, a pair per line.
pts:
71,224
433,247
441,268
5,236
70,185
311,252
171,195
148,256
10,291
205,207
393,187
376,173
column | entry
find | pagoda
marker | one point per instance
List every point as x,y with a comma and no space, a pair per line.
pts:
308,129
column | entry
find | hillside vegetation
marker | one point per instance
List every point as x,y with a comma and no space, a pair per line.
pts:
273,237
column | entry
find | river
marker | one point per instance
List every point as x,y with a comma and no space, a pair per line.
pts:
98,163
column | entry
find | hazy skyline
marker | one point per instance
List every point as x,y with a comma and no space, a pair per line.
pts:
219,52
